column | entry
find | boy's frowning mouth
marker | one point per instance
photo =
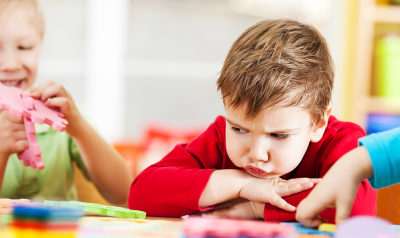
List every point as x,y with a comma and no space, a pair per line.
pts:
255,171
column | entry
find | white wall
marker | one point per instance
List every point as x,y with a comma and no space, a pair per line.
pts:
173,53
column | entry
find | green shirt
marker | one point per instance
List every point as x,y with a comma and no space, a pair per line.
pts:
56,180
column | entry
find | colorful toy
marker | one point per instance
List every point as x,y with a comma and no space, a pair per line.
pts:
99,209
45,221
327,227
300,229
366,227
18,103
215,227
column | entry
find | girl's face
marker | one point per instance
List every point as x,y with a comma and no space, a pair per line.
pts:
20,44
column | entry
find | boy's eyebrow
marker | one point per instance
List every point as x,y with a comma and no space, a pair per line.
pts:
279,131
283,131
235,124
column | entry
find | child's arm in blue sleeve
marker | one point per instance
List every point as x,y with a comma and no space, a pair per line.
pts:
384,150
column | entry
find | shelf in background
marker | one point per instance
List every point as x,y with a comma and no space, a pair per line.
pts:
383,105
387,14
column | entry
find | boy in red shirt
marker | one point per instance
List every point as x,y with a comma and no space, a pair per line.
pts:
276,85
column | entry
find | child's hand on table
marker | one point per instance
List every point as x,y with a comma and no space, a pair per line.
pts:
55,95
272,190
239,208
337,189
12,135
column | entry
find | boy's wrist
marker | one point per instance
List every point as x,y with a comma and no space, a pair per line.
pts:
76,125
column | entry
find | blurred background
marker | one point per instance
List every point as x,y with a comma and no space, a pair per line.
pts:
145,70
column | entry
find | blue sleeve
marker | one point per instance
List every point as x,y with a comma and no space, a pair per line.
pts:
384,150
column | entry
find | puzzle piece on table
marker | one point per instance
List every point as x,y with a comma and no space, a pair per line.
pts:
214,227
100,209
327,227
18,103
300,229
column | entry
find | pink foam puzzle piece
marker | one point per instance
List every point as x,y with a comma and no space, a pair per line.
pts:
206,227
43,114
11,100
18,103
31,156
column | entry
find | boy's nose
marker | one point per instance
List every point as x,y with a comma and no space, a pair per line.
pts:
258,151
9,62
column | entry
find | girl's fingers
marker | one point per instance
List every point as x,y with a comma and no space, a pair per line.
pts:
287,190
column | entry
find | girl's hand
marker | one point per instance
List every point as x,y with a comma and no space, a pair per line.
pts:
338,188
272,190
12,135
55,95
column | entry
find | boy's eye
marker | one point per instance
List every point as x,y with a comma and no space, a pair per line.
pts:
25,47
280,136
239,130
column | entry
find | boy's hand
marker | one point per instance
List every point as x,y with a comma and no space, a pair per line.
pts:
239,208
55,95
12,134
272,190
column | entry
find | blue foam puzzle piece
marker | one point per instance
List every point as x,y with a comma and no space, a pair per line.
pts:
300,229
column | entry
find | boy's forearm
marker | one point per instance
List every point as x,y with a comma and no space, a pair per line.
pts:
222,186
105,166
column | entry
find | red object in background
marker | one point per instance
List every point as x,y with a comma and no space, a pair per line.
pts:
156,137
170,135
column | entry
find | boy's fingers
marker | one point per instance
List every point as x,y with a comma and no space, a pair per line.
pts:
302,180
224,212
277,201
296,181
287,190
54,90
20,135
59,102
14,119
21,145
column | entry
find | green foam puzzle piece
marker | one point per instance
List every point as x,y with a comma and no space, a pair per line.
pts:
100,209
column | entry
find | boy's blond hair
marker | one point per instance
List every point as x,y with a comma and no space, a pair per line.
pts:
33,7
278,62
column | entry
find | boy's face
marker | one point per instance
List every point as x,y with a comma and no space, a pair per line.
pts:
272,144
20,44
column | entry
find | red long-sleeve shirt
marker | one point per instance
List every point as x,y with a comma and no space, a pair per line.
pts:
173,186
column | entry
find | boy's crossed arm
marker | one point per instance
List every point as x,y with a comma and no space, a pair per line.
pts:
225,185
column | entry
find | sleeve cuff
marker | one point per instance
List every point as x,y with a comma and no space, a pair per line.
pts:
380,159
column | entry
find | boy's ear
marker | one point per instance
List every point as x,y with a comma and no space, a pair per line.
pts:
318,130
